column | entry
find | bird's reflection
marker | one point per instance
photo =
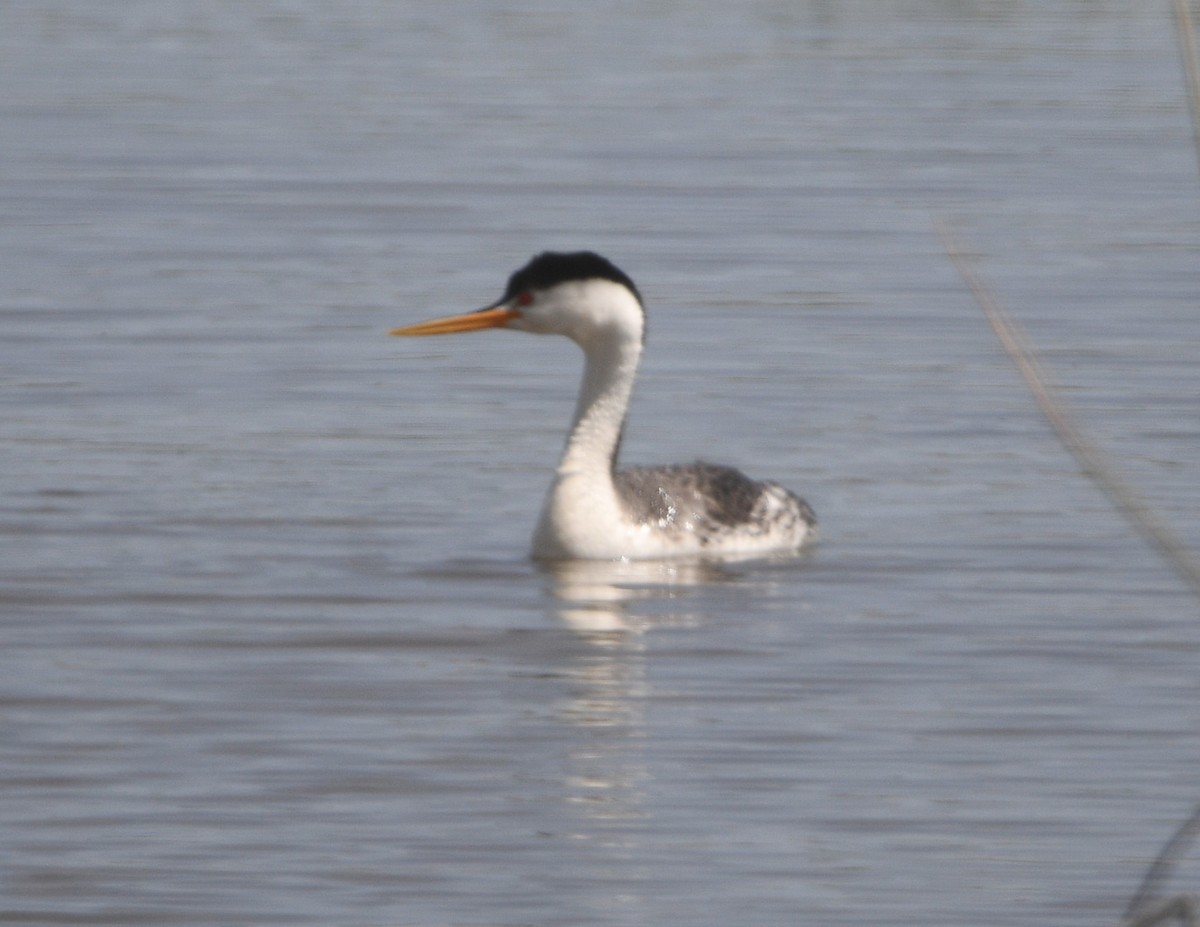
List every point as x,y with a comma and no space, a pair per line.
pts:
600,600
611,606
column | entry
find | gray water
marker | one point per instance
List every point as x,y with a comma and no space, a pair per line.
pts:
273,652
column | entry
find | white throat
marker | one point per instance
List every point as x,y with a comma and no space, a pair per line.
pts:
582,516
608,376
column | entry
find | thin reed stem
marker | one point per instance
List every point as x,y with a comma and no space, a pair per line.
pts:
1191,65
1096,465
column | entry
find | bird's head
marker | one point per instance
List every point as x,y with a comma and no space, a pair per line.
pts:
578,294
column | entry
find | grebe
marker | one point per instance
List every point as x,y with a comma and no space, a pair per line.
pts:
594,511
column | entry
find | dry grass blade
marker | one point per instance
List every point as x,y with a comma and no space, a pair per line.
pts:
1096,466
1139,911
1093,461
1191,65
1180,909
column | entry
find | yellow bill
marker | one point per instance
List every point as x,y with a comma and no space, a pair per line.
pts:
495,317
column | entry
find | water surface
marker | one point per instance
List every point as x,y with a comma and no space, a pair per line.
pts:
273,650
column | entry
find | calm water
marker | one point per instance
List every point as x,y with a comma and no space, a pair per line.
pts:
272,649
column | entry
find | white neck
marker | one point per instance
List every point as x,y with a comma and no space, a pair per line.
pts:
610,368
583,516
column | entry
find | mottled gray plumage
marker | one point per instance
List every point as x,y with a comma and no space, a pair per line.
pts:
708,500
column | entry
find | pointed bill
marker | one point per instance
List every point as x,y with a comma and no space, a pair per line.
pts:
492,317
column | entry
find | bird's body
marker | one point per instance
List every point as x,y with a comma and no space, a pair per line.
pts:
594,511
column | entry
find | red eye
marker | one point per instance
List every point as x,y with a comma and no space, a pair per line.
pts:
525,298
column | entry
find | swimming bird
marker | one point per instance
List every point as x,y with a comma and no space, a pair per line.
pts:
594,511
